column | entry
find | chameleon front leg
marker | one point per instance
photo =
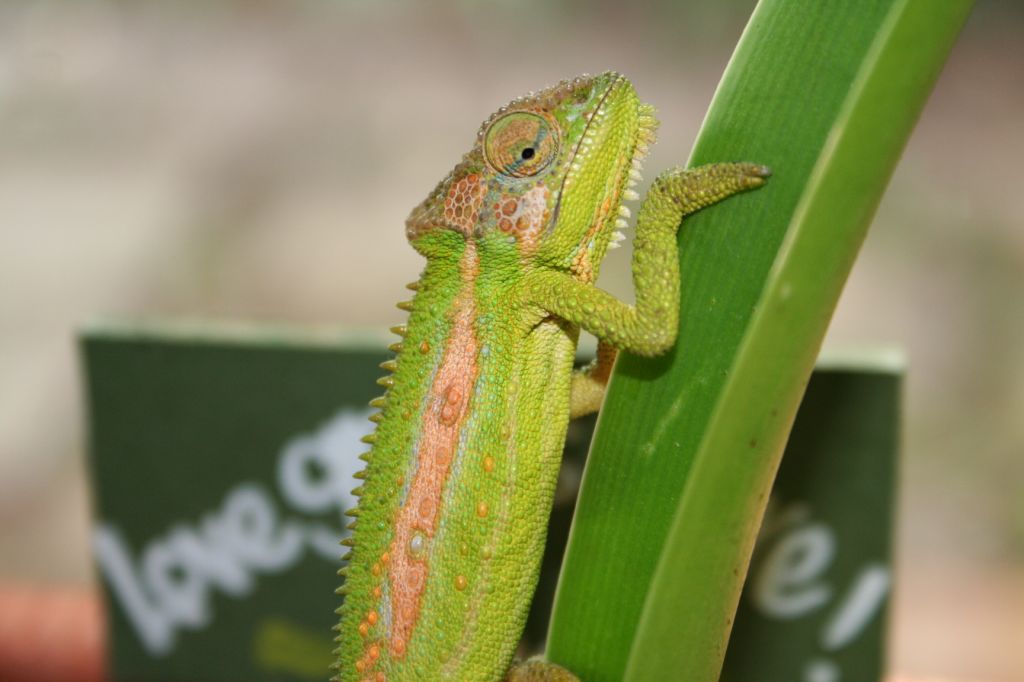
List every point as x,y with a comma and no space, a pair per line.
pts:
650,326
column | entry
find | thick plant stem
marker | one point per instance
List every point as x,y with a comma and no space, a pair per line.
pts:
687,447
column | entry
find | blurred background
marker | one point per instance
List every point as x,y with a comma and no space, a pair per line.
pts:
255,160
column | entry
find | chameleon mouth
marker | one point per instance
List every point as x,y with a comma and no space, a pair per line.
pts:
627,175
647,126
616,81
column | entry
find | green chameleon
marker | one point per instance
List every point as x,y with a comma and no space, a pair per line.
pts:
453,509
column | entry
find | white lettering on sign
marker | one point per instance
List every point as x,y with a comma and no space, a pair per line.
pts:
171,585
790,582
821,670
866,597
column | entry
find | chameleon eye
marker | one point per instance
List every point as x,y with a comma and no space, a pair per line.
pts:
520,144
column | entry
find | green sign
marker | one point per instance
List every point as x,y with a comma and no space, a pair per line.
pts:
221,466
816,599
222,461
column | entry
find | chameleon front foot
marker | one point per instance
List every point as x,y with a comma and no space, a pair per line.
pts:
536,670
679,192
649,327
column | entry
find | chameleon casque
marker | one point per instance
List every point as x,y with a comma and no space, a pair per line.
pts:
453,508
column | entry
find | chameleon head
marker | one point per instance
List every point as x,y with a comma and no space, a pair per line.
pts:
546,176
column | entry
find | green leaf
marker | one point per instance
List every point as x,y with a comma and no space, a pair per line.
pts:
687,445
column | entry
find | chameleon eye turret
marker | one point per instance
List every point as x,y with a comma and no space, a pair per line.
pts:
453,510
520,144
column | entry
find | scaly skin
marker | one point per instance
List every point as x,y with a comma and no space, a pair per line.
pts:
453,510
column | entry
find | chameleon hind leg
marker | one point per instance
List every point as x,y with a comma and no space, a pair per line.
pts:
588,383
650,326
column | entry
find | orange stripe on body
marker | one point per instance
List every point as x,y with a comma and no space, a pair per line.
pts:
439,440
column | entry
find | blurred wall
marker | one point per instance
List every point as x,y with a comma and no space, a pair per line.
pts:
256,160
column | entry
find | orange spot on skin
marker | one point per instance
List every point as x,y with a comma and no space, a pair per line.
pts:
425,347
462,205
525,217
488,464
461,582
385,557
397,648
364,628
379,677
360,665
481,509
374,652
371,618
449,415
452,409
439,440
377,592
582,266
375,569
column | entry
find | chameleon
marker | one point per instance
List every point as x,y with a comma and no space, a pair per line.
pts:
450,524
